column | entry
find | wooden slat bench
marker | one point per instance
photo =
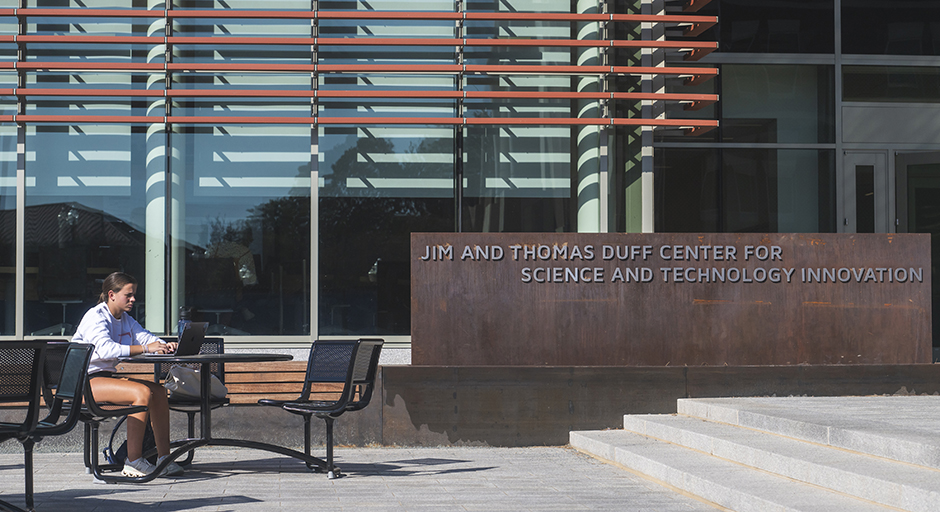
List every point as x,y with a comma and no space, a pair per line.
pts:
247,383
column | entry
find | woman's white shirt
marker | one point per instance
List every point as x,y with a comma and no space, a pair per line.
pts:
112,337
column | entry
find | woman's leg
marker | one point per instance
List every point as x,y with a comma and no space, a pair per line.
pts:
138,392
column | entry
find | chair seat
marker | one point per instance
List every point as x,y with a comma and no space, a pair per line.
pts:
178,404
11,428
313,407
275,403
109,410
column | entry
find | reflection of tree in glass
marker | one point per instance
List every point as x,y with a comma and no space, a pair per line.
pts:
270,249
285,222
356,166
365,231
352,171
233,241
368,210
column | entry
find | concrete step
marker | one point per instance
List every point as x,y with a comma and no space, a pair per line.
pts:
899,485
723,482
902,428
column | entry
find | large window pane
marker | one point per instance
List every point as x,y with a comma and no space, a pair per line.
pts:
787,26
686,184
782,104
517,178
891,83
745,190
778,191
86,216
379,184
911,27
241,235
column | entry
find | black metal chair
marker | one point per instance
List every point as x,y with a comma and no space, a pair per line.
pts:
93,414
20,378
63,373
191,406
352,363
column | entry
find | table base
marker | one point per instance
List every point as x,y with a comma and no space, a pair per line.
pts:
183,446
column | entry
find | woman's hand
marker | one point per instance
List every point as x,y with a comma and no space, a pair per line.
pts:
159,348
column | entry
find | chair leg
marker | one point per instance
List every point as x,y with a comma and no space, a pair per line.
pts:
307,434
307,441
87,447
28,461
331,472
92,446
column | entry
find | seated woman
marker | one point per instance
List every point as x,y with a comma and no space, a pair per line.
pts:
115,334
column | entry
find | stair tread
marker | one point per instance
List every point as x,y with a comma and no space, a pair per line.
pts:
885,481
910,433
720,481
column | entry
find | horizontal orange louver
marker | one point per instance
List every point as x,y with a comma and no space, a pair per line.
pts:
53,44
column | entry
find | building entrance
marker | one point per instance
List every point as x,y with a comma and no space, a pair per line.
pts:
918,185
867,200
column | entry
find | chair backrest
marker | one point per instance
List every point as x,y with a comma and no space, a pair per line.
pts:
329,361
366,368
73,374
52,368
209,346
20,376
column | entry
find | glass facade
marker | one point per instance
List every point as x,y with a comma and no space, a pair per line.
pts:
746,190
911,27
267,167
786,26
902,84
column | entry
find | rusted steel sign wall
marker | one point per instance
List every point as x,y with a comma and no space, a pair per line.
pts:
670,299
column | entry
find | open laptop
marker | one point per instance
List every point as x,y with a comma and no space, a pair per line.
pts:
190,341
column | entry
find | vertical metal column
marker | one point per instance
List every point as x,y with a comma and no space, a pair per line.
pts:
156,232
651,109
314,180
841,219
588,137
604,131
20,182
175,197
459,33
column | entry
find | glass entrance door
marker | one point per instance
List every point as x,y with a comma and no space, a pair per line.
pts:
868,205
918,186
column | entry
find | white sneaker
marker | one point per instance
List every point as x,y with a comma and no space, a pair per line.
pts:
137,468
172,469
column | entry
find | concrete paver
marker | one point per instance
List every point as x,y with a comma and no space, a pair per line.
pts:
412,479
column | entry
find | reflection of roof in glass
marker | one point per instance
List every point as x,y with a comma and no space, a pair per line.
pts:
55,223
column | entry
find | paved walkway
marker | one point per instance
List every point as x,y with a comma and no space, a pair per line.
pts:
439,479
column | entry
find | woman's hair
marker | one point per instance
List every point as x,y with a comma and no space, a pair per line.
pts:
115,283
